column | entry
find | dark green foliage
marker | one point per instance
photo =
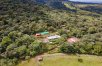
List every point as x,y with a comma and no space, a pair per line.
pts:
20,19
82,48
20,46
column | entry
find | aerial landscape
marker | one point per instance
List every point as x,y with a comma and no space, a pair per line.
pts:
50,33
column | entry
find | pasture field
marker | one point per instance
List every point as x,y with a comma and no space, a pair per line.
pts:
65,60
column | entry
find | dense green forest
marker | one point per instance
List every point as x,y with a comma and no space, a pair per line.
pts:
20,19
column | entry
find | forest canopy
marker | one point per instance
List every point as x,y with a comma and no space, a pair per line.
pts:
20,19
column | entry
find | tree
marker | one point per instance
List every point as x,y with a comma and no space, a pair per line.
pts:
92,30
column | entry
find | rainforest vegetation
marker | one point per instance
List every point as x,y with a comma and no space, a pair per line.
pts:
21,19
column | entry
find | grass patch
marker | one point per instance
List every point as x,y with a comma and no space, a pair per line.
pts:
67,60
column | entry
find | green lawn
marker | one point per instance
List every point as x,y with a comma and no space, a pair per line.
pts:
66,60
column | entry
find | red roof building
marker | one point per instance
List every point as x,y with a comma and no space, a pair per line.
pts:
37,34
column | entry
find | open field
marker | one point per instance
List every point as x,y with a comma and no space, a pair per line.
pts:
65,60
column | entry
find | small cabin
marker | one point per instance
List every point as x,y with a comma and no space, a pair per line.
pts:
44,33
37,34
53,37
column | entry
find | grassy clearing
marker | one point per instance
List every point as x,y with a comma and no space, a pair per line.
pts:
30,62
66,60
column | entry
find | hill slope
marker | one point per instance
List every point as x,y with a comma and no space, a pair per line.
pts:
58,4
20,19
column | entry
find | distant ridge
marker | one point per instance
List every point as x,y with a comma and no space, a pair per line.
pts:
53,3
59,4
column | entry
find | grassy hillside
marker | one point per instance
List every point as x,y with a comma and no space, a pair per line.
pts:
97,8
91,7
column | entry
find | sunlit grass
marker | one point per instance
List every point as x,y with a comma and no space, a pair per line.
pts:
28,63
66,60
